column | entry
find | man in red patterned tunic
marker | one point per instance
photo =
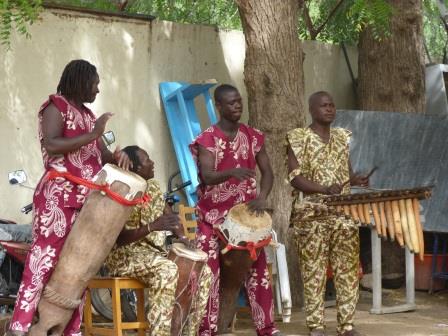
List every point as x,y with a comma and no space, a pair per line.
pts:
227,155
70,138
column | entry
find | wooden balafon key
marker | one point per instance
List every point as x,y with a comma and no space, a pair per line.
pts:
394,214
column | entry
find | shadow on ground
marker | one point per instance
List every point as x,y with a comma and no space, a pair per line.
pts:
430,318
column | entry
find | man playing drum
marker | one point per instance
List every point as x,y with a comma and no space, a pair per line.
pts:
70,138
140,253
227,155
318,164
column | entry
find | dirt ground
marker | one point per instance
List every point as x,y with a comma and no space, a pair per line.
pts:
430,318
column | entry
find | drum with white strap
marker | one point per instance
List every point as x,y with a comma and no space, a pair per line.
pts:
90,240
242,236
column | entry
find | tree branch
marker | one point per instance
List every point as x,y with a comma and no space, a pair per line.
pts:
332,12
308,22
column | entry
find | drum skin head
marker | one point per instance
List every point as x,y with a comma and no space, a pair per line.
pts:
193,254
241,226
240,214
111,173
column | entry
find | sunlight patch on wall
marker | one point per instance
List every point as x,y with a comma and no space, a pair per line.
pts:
129,43
143,137
167,28
233,49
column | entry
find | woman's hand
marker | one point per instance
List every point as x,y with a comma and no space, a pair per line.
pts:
100,124
168,222
122,159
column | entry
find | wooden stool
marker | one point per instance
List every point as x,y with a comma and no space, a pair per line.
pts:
115,284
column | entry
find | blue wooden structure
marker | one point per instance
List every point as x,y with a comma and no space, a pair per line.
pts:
178,102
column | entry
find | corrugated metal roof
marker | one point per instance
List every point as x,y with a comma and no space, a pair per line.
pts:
411,150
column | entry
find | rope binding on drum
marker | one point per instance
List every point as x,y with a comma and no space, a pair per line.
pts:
251,247
59,300
103,188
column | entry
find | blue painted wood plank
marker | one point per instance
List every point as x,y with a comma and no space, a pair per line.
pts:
210,108
178,101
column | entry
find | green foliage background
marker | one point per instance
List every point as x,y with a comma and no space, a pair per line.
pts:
435,34
17,14
350,18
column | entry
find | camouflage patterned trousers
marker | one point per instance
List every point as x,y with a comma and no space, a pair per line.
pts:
330,241
160,276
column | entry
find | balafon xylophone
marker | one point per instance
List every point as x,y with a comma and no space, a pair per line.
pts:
394,214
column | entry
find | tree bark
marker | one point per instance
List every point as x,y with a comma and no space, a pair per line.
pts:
392,71
274,79
391,77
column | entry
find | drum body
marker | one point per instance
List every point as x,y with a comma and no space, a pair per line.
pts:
90,240
242,236
190,264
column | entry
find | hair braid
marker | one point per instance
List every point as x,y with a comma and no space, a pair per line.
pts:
77,80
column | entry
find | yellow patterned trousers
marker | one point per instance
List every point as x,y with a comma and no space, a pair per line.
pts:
160,276
330,241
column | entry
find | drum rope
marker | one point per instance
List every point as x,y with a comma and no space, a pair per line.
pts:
59,300
105,188
177,304
251,247
193,301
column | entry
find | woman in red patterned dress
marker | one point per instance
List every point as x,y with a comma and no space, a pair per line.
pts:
70,138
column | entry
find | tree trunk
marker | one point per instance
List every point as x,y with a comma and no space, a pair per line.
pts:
391,77
392,71
273,74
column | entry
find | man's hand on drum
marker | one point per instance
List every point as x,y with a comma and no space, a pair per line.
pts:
122,159
257,205
242,173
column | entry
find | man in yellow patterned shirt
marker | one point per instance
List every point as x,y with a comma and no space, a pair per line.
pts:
140,253
318,164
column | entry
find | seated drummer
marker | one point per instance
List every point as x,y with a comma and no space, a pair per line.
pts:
140,253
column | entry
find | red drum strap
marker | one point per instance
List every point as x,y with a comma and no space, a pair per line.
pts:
251,247
105,188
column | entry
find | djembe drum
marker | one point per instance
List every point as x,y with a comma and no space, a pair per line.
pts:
92,237
190,264
242,236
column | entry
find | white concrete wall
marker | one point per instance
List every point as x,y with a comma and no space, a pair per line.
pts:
326,69
132,57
